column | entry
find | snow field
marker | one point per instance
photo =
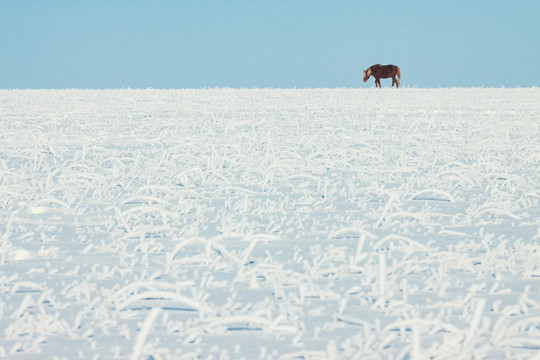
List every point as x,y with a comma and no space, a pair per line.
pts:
270,224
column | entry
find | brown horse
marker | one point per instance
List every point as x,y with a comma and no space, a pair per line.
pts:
383,71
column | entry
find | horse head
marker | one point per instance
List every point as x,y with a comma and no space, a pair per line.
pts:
367,74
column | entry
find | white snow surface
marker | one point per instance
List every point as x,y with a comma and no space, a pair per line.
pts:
270,224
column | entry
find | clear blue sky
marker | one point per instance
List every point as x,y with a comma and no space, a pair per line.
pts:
260,43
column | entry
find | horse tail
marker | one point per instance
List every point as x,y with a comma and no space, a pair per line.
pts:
398,75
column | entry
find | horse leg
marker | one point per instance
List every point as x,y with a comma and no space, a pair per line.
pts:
394,81
377,82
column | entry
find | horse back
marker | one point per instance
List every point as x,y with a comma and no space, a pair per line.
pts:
384,71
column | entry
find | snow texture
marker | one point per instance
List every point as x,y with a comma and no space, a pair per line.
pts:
270,224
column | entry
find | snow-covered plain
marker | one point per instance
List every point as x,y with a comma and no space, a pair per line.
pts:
270,224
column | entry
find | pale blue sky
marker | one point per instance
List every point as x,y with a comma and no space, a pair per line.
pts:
259,43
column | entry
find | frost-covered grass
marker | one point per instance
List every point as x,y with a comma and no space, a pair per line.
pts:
271,224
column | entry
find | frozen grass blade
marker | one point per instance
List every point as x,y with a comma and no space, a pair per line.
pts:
143,333
472,334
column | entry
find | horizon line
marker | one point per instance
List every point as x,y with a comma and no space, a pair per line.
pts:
268,88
